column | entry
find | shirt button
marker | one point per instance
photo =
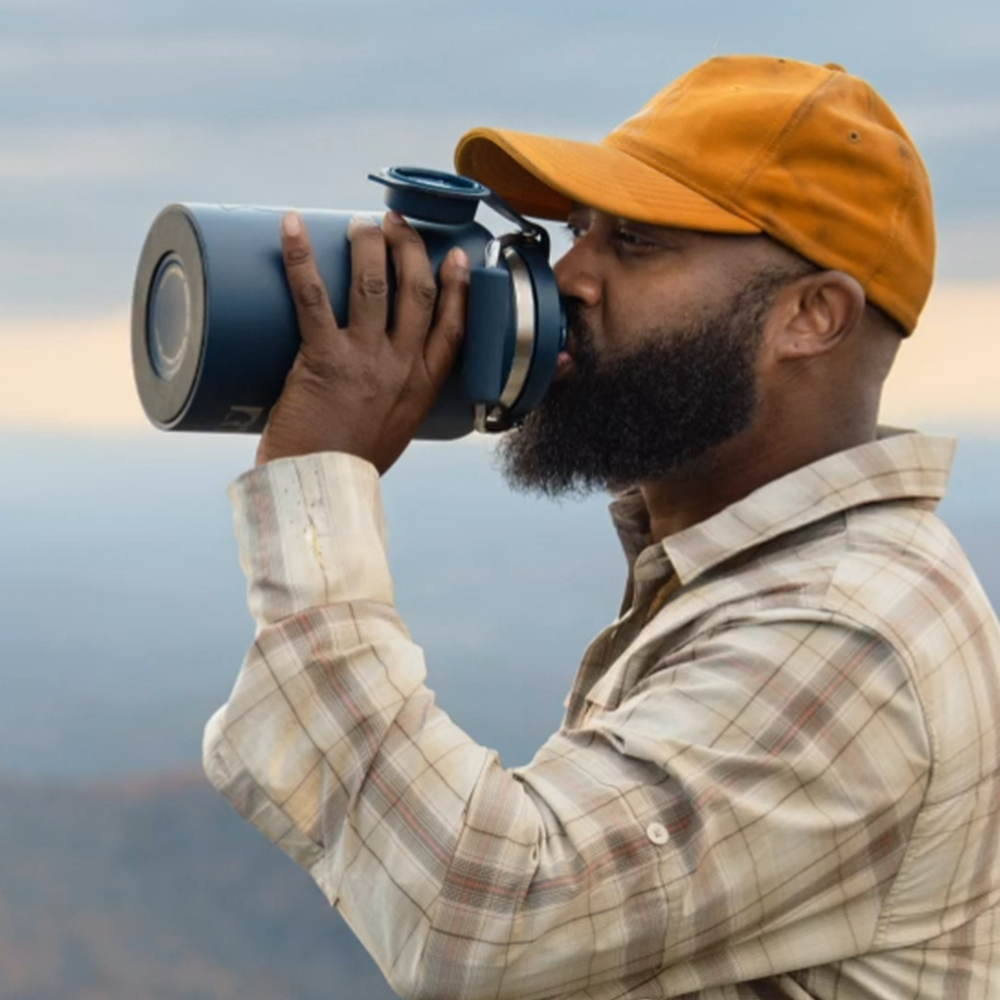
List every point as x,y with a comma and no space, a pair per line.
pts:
657,833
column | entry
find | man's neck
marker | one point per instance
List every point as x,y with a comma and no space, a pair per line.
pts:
733,471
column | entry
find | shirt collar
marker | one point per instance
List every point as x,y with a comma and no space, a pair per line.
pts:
899,465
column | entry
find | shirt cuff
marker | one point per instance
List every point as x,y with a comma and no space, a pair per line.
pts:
311,532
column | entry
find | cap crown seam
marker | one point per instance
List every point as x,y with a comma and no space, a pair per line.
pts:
792,122
908,194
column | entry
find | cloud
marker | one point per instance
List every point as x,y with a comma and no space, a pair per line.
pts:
969,248
68,376
76,376
102,154
76,205
142,55
950,120
181,153
945,373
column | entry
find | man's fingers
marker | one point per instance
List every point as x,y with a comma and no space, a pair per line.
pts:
369,299
416,289
448,330
312,305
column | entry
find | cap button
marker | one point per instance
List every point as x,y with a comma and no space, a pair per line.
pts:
835,67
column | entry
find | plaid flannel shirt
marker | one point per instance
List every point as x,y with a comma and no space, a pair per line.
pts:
778,775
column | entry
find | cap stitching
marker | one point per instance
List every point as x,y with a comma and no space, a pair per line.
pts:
793,120
906,196
903,204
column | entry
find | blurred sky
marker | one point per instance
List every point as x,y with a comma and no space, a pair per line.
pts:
113,108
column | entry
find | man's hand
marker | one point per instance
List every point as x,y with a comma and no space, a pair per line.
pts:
365,389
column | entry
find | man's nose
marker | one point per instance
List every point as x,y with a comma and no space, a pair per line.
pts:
577,277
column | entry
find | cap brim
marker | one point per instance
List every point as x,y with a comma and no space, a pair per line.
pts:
544,177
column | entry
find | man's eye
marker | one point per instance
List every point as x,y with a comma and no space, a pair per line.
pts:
633,242
575,230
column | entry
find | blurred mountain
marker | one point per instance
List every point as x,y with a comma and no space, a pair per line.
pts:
157,890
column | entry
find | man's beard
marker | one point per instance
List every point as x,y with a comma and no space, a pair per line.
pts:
643,415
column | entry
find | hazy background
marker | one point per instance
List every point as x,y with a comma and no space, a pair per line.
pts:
122,622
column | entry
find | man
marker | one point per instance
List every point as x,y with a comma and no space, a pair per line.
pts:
779,771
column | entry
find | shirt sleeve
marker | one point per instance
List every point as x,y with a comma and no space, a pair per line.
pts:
742,810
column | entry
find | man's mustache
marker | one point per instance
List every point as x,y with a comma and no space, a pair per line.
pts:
579,333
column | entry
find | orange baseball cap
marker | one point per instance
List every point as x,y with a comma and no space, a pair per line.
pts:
808,154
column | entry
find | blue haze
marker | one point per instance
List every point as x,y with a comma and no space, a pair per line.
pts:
122,617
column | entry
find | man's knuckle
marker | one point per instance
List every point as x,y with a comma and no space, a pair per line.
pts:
372,285
297,256
452,330
367,233
411,238
311,294
424,292
319,371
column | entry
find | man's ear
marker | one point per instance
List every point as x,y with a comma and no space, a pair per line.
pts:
815,313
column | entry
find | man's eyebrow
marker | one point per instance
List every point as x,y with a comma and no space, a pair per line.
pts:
666,235
660,234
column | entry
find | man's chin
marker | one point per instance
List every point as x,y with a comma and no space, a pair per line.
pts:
538,467
525,468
